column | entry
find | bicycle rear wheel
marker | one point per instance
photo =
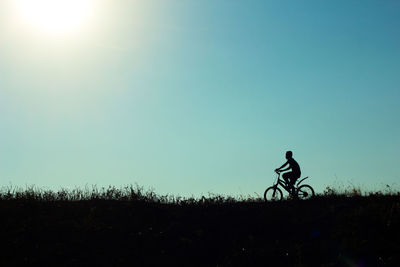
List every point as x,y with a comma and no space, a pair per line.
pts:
273,194
305,192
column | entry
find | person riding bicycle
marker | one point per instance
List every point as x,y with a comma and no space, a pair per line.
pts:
290,177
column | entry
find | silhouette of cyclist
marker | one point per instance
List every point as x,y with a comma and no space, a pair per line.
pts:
290,177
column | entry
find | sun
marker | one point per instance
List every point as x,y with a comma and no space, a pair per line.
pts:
56,17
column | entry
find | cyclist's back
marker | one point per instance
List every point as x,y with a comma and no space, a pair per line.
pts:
295,167
295,173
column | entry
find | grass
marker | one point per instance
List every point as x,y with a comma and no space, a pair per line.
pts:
131,226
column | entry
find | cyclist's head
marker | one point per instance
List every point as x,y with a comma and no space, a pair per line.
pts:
289,154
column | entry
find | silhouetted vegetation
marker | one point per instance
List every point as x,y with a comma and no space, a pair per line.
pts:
116,227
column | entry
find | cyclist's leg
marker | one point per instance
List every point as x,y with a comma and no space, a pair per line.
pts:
286,176
290,179
295,177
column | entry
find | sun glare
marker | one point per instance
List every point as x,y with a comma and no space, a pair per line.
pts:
55,16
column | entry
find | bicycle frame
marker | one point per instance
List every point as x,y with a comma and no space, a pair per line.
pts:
283,184
296,191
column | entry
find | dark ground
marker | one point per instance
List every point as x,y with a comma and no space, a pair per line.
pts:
326,231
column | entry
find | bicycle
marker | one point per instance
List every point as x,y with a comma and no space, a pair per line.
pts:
274,193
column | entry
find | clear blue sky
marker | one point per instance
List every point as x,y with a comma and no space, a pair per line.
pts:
191,96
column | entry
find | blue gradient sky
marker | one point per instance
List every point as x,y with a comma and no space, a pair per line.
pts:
190,97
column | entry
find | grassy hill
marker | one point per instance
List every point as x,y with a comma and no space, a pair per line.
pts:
113,227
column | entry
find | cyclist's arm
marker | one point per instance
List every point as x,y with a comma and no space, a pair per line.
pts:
279,169
288,168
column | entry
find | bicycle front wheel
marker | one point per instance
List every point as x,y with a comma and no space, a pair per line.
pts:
273,194
305,192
